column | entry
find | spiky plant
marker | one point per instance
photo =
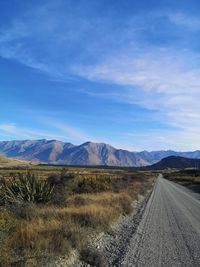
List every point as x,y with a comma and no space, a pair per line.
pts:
25,187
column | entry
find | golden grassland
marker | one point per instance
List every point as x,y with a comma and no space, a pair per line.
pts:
85,201
6,162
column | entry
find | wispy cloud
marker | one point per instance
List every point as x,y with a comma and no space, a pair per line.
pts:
12,131
56,130
188,21
164,140
54,35
49,36
79,33
165,80
70,132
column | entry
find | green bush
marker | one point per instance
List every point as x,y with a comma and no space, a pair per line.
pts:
25,187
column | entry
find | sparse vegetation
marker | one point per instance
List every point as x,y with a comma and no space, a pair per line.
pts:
13,162
188,177
25,187
60,210
93,257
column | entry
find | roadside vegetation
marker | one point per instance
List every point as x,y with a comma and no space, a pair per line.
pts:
46,213
189,178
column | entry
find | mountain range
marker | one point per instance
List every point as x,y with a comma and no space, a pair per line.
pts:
89,153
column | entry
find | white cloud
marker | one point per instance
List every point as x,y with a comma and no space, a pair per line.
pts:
13,131
177,140
8,128
165,80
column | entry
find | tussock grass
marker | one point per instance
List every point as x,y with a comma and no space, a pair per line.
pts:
116,202
83,203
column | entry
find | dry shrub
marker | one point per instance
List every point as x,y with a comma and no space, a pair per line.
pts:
93,257
7,220
91,184
125,202
61,183
73,233
24,210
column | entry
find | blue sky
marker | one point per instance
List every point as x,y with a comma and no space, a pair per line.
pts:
122,72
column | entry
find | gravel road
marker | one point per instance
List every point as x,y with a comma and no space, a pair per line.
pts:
169,232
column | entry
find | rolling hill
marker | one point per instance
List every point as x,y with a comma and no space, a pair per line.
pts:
13,162
89,153
175,162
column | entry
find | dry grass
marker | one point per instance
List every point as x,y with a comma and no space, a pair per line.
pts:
90,201
6,162
188,175
189,178
93,257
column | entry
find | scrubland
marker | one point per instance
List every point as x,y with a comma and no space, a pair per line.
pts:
189,178
184,176
83,202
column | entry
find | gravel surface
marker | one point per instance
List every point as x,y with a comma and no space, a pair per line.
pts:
169,232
